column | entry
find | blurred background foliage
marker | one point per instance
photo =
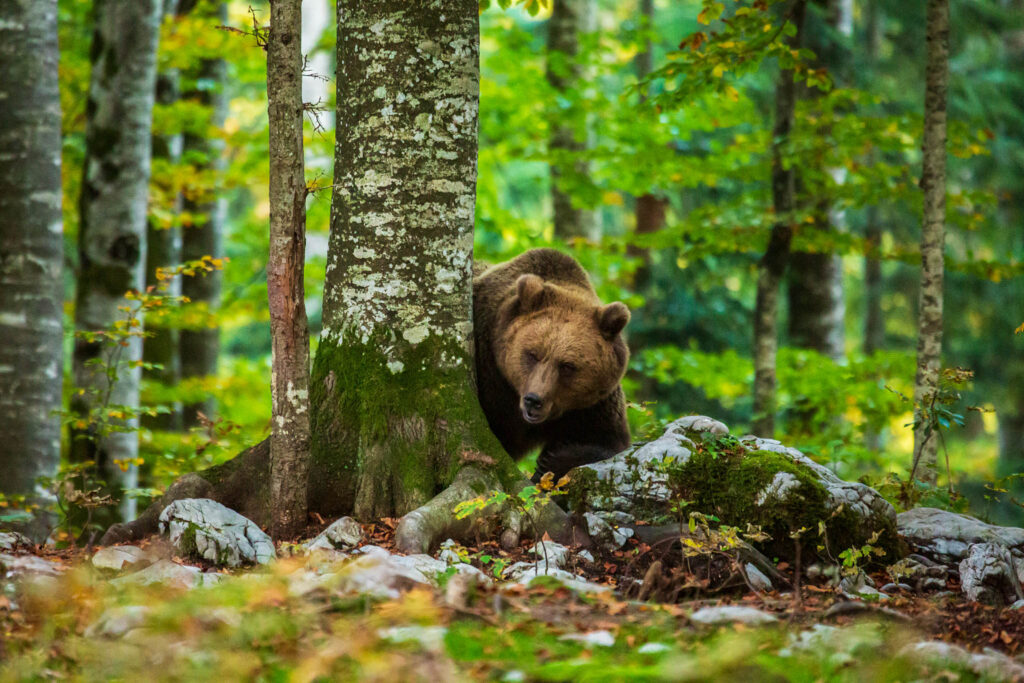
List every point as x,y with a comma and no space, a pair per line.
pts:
692,131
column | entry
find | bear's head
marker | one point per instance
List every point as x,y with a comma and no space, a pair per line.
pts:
559,348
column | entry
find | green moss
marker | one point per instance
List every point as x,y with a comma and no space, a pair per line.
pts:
389,441
723,479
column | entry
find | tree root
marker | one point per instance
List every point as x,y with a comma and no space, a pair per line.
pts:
429,525
241,484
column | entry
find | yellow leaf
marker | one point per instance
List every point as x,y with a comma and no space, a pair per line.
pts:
718,70
612,198
1019,330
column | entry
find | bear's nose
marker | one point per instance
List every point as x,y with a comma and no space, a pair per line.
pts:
532,402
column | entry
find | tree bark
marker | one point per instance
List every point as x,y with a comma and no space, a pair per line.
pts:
394,415
204,234
650,208
289,384
776,256
933,184
568,19
112,230
31,253
815,280
163,249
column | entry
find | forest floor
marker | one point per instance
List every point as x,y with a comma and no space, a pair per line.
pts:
256,625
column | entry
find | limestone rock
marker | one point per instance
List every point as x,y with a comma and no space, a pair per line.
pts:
635,482
170,574
610,538
990,664
729,614
343,534
118,620
204,528
987,575
946,537
757,579
21,566
118,557
9,540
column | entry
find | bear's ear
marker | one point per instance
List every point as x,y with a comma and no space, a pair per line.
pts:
530,291
612,318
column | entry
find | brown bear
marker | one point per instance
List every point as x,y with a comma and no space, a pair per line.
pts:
550,358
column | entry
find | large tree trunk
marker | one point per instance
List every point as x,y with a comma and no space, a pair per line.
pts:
776,256
31,252
112,230
289,383
933,183
569,18
394,413
199,348
815,280
163,247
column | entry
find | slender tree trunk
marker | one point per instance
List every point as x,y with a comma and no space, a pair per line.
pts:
815,280
773,264
650,208
289,386
31,252
112,230
163,248
933,184
874,320
204,235
568,139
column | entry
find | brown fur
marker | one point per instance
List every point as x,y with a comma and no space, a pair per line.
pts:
542,331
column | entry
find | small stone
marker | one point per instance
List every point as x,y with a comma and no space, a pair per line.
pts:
9,540
430,638
600,638
991,664
652,648
586,556
757,579
609,537
728,614
117,557
1017,605
987,575
117,621
556,554
17,566
207,529
168,573
343,534
930,583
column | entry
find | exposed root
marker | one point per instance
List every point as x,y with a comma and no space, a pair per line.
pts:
429,525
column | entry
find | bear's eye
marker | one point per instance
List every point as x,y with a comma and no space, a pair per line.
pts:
530,357
567,368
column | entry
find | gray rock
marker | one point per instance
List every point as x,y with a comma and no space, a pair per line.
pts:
343,534
116,621
930,583
860,585
729,614
207,529
9,540
640,484
1017,605
20,566
987,575
946,537
118,557
555,554
430,638
522,573
607,536
989,664
170,574
757,579
602,638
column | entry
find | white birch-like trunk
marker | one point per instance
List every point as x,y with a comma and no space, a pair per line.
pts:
392,399
31,252
933,184
112,232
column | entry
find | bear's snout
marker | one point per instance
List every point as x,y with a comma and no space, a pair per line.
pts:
533,408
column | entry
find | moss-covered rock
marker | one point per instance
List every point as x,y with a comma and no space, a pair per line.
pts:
739,482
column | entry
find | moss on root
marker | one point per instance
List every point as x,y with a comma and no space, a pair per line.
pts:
386,439
723,479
